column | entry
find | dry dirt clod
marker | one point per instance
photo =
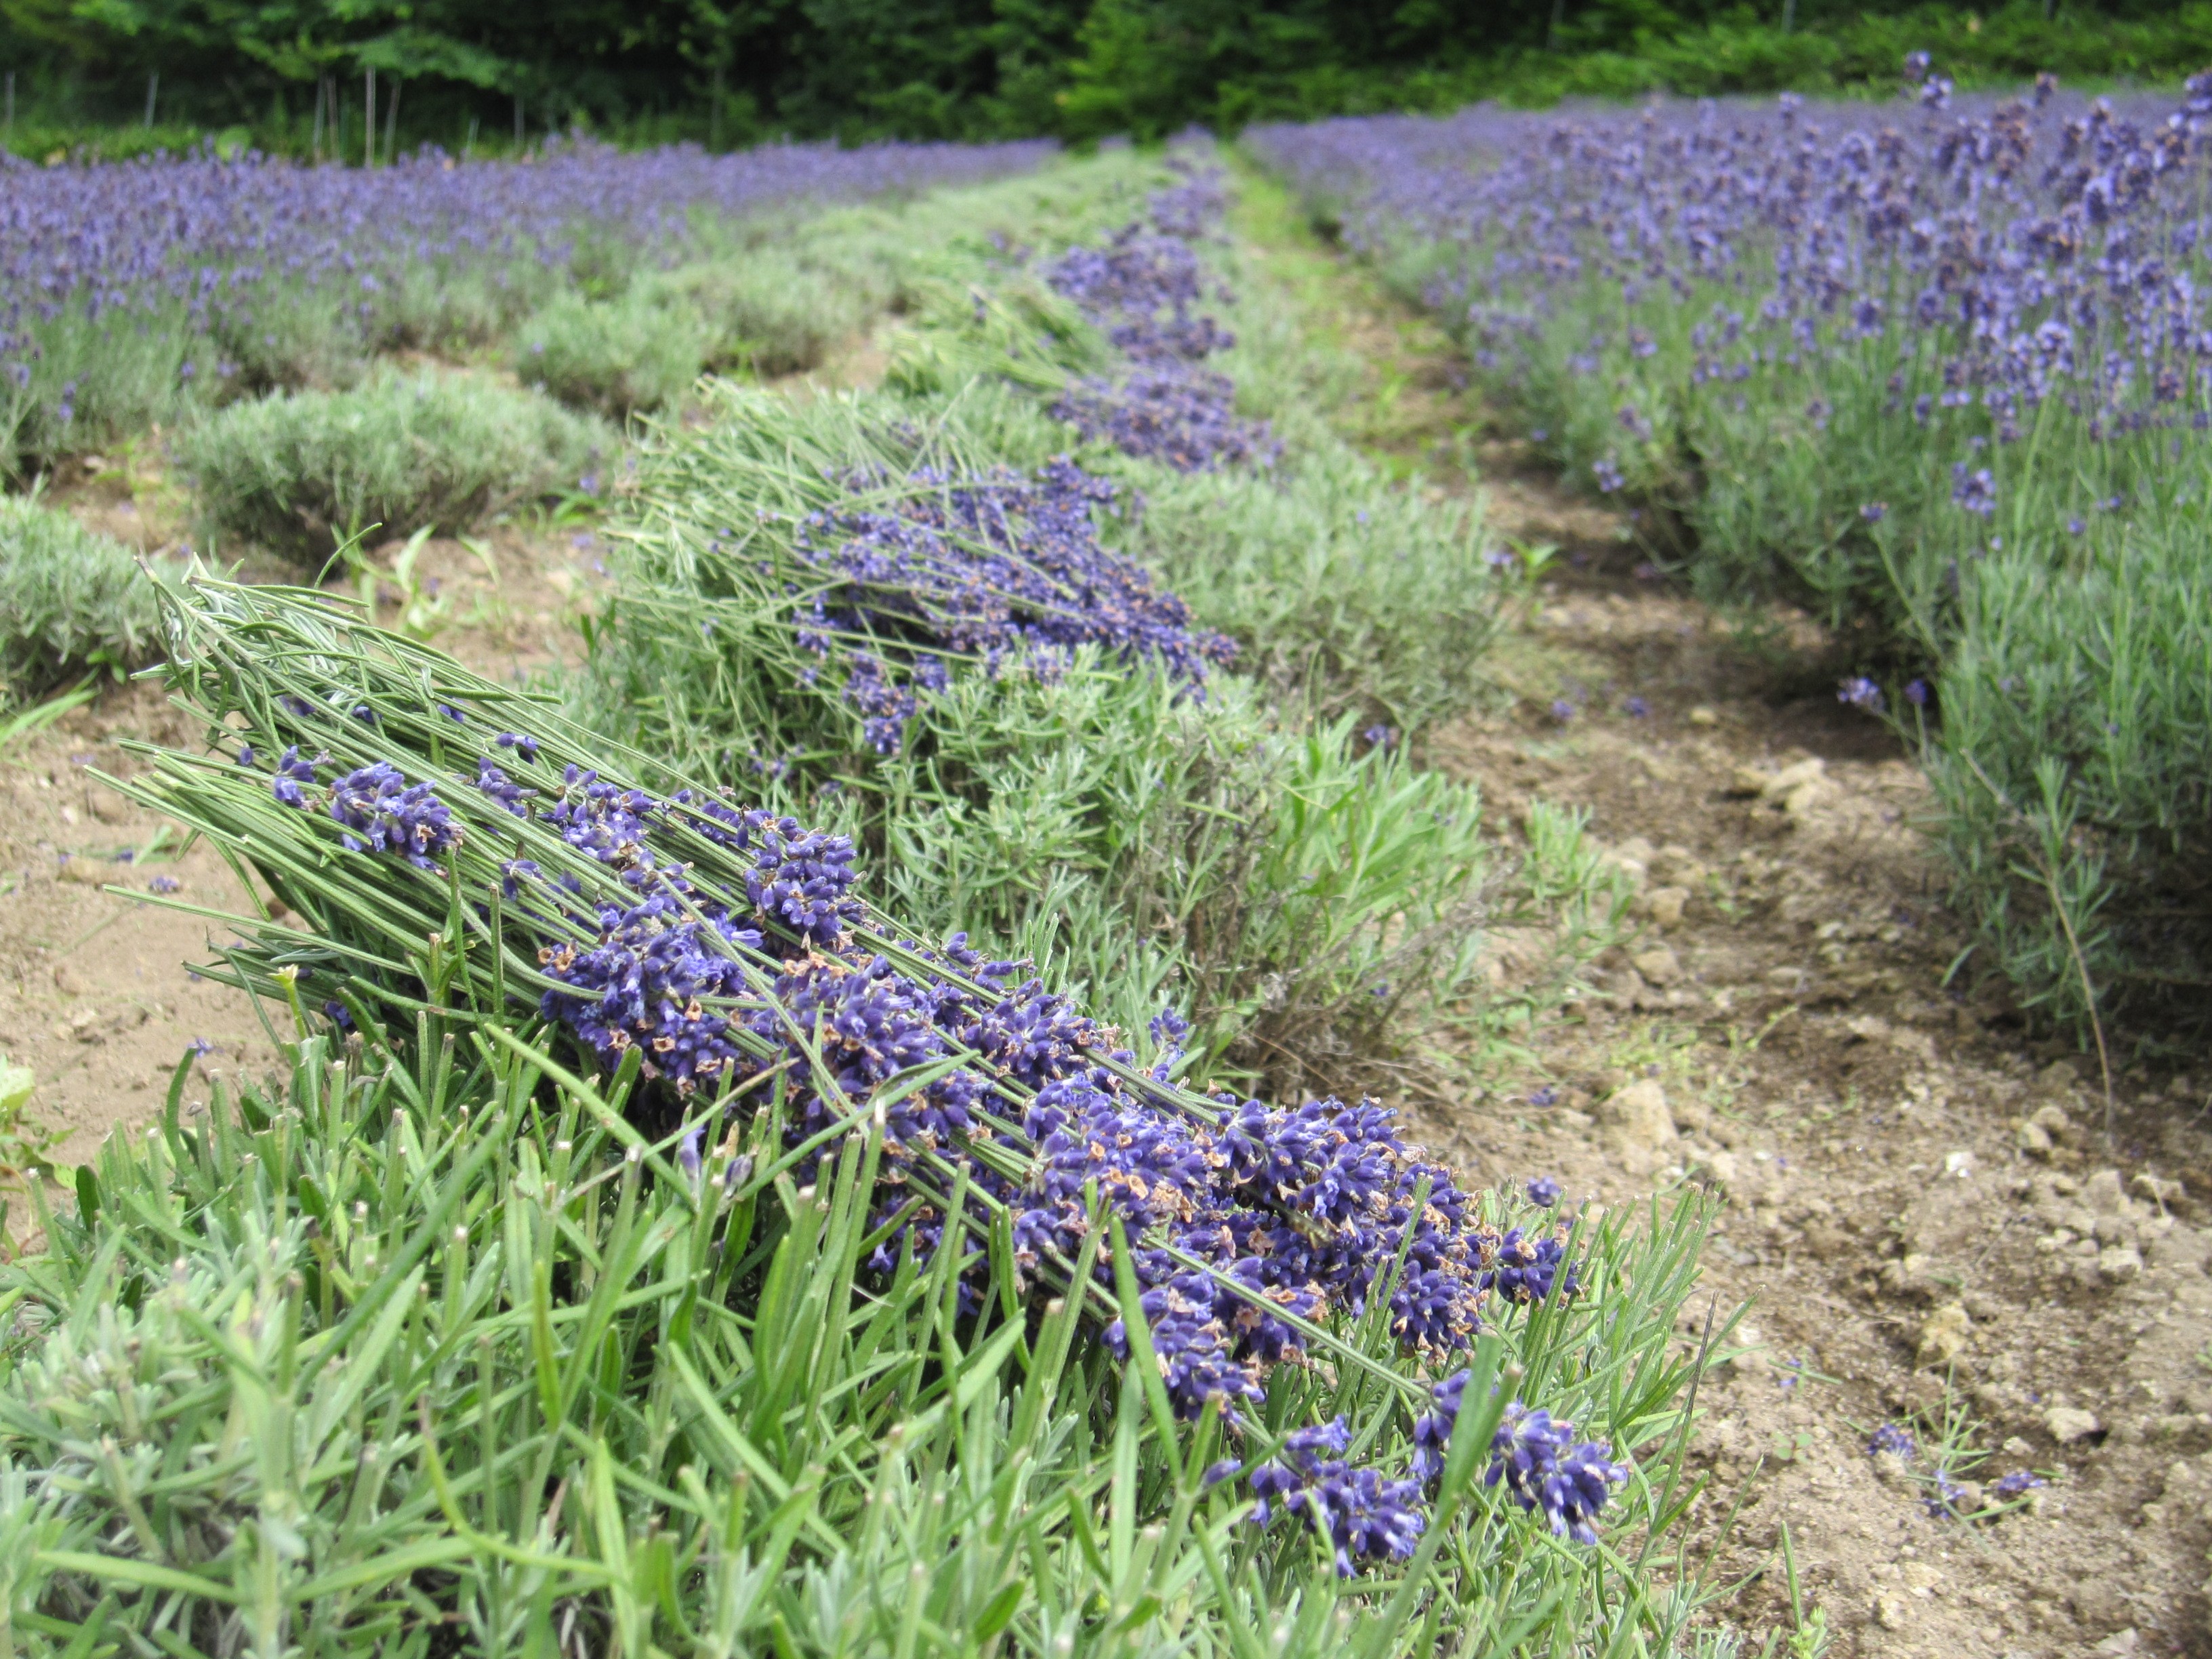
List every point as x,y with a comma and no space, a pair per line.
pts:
1637,1115
1943,1335
2068,1424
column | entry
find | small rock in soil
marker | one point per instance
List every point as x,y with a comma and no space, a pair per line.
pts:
2068,1424
1637,1115
1943,1334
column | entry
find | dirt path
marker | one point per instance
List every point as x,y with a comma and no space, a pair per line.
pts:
1921,1208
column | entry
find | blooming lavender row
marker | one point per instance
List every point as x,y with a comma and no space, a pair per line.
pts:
1848,343
937,565
2042,247
199,248
1143,289
1249,1225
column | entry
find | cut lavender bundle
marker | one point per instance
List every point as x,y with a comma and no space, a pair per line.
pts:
858,610
720,957
857,576
1142,289
906,572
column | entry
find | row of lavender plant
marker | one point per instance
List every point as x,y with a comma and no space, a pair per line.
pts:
130,290
909,615
445,847
1941,371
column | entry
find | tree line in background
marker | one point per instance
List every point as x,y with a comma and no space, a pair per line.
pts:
360,79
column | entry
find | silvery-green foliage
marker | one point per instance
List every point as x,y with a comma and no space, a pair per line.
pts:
72,601
297,474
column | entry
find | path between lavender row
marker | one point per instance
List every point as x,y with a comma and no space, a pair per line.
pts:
1924,1213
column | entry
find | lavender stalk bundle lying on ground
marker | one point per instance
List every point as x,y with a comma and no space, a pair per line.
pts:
906,572
719,959
1142,288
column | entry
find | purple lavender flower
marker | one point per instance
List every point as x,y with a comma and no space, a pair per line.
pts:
1860,693
1637,708
1545,1468
1562,710
292,771
1361,1515
1976,490
1944,1495
1895,1440
382,812
163,884
2018,1484
1916,693
1544,1192
1546,1096
1525,1268
1608,475
1433,1429
1874,512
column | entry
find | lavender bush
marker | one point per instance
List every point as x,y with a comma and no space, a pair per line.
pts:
842,1153
72,602
298,474
1923,368
130,290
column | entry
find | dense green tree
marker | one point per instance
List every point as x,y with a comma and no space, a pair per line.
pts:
734,71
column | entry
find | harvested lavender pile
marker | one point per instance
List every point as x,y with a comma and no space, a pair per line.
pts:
713,967
905,572
1143,289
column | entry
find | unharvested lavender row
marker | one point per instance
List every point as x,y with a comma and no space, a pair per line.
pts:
130,290
1941,370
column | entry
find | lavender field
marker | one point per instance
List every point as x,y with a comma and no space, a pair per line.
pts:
822,1107
1941,372
134,292
953,899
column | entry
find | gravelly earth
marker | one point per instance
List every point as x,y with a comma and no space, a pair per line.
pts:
1922,1207
95,996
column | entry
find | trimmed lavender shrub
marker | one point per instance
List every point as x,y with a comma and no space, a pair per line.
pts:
71,601
297,474
617,357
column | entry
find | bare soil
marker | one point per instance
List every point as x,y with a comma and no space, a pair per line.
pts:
1928,1216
